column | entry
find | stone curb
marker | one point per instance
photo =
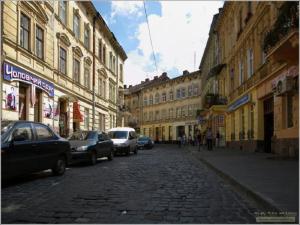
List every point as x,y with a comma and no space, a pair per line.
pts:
260,198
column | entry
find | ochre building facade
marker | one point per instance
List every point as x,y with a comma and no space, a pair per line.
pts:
61,65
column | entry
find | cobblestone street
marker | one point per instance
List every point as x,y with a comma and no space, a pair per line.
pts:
162,185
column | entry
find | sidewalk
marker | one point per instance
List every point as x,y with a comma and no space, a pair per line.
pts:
269,179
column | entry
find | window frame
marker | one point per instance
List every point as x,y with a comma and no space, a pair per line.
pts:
40,41
60,60
74,74
76,31
28,30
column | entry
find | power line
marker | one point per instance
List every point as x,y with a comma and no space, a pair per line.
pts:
150,36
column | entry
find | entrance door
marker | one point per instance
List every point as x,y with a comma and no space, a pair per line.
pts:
268,123
180,131
157,134
63,125
22,102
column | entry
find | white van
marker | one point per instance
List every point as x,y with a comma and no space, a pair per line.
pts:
125,139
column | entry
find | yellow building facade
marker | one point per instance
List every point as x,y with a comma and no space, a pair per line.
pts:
166,108
61,66
258,44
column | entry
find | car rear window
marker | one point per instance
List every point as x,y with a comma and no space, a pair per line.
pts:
143,139
83,135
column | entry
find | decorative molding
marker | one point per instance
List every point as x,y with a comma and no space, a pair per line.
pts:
77,50
63,38
88,60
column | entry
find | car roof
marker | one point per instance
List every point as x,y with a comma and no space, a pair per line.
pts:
122,129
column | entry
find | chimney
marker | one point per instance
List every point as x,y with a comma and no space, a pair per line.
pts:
164,74
185,72
130,86
155,77
125,86
147,79
142,82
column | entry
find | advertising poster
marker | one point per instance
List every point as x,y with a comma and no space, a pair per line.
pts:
12,98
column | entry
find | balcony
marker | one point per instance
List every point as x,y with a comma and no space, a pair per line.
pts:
214,99
282,41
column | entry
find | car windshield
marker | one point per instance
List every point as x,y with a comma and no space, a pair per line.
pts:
5,126
143,139
118,134
82,135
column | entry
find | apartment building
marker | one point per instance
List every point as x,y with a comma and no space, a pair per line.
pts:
61,65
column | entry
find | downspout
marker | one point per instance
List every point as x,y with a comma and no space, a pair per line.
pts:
94,66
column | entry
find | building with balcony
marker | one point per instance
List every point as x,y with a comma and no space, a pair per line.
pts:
258,43
62,65
165,108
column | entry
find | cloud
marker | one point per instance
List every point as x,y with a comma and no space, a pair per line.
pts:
178,34
126,8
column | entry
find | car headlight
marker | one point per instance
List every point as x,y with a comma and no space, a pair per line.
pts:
82,148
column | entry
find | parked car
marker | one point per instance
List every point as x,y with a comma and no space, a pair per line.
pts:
125,140
90,145
28,147
145,142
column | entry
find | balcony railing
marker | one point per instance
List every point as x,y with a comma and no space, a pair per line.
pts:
214,99
287,21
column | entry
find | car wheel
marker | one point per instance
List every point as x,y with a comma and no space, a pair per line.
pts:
93,158
60,166
111,155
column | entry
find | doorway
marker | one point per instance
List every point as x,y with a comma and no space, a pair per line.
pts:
38,106
22,102
180,131
268,123
63,120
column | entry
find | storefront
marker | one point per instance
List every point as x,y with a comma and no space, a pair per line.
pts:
26,96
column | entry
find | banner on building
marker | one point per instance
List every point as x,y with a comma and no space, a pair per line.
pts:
12,98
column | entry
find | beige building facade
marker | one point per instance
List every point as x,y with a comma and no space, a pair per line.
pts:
62,66
167,108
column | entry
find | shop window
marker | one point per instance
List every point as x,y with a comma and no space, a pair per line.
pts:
38,105
39,42
289,107
62,61
22,103
76,70
25,32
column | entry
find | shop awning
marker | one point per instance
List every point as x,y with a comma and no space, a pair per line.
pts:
77,116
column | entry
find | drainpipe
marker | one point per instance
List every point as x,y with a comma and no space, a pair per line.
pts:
94,66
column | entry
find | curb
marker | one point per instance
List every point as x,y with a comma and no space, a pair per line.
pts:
260,198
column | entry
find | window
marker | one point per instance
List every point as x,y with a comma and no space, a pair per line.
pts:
156,98
110,60
62,60
182,92
43,132
250,62
62,11
76,27
171,113
183,111
87,77
150,116
178,93
164,97
145,100
23,131
178,112
104,89
101,122
100,50
171,95
25,31
151,100
104,55
114,64
241,70
39,42
157,115
163,114
190,109
76,70
86,118
121,72
195,90
145,116
190,90
100,83
289,112
87,37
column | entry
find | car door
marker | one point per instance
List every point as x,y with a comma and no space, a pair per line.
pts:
19,156
47,146
108,143
102,144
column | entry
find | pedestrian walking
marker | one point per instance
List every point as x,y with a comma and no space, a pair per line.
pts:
209,138
183,139
199,140
217,139
190,139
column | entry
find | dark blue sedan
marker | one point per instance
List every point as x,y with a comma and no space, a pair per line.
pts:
145,142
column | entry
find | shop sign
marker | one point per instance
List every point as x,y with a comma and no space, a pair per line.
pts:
241,101
11,73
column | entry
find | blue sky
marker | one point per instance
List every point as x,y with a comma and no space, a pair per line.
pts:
179,31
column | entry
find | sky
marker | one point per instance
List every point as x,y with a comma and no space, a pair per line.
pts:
179,31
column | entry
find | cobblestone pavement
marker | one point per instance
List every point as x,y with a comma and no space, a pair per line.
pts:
162,185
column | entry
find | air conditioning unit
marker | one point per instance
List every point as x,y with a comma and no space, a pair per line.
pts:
283,86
